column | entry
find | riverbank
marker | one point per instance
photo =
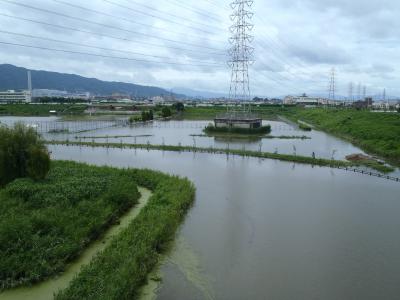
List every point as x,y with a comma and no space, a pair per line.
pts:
43,110
376,133
257,154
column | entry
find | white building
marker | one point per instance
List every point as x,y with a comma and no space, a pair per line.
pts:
302,100
12,96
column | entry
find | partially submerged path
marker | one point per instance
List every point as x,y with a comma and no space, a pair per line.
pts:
47,289
337,164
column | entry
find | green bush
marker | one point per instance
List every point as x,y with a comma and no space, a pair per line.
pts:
147,116
166,112
179,106
22,154
134,119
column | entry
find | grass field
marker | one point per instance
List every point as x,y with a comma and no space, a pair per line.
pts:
376,133
44,225
40,109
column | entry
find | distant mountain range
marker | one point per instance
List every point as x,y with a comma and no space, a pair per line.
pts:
199,94
15,78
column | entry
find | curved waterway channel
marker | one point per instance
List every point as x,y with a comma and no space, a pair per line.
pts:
47,289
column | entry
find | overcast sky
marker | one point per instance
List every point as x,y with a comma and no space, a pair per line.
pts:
183,43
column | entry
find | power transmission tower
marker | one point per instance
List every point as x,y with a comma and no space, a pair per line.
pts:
241,52
29,86
359,91
351,86
332,84
364,92
384,98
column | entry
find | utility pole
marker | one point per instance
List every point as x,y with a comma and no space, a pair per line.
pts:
332,84
241,52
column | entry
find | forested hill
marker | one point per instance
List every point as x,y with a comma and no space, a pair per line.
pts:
15,78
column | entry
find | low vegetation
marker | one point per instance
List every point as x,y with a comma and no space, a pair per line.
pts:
41,109
147,116
22,154
258,154
166,112
46,224
122,268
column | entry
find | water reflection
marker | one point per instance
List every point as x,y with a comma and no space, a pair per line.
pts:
189,132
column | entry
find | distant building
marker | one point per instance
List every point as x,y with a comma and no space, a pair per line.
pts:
238,120
302,100
12,96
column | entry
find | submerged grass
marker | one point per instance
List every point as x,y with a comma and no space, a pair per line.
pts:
122,268
258,154
44,225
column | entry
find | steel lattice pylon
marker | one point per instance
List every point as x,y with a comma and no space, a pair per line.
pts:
241,52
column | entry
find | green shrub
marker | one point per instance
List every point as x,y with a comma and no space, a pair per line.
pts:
166,112
147,116
22,154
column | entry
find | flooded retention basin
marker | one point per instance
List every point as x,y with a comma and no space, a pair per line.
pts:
263,229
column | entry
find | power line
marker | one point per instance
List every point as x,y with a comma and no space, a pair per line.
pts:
203,13
106,26
169,14
109,36
120,18
154,16
100,55
95,47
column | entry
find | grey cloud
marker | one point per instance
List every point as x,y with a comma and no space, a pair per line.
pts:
296,41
